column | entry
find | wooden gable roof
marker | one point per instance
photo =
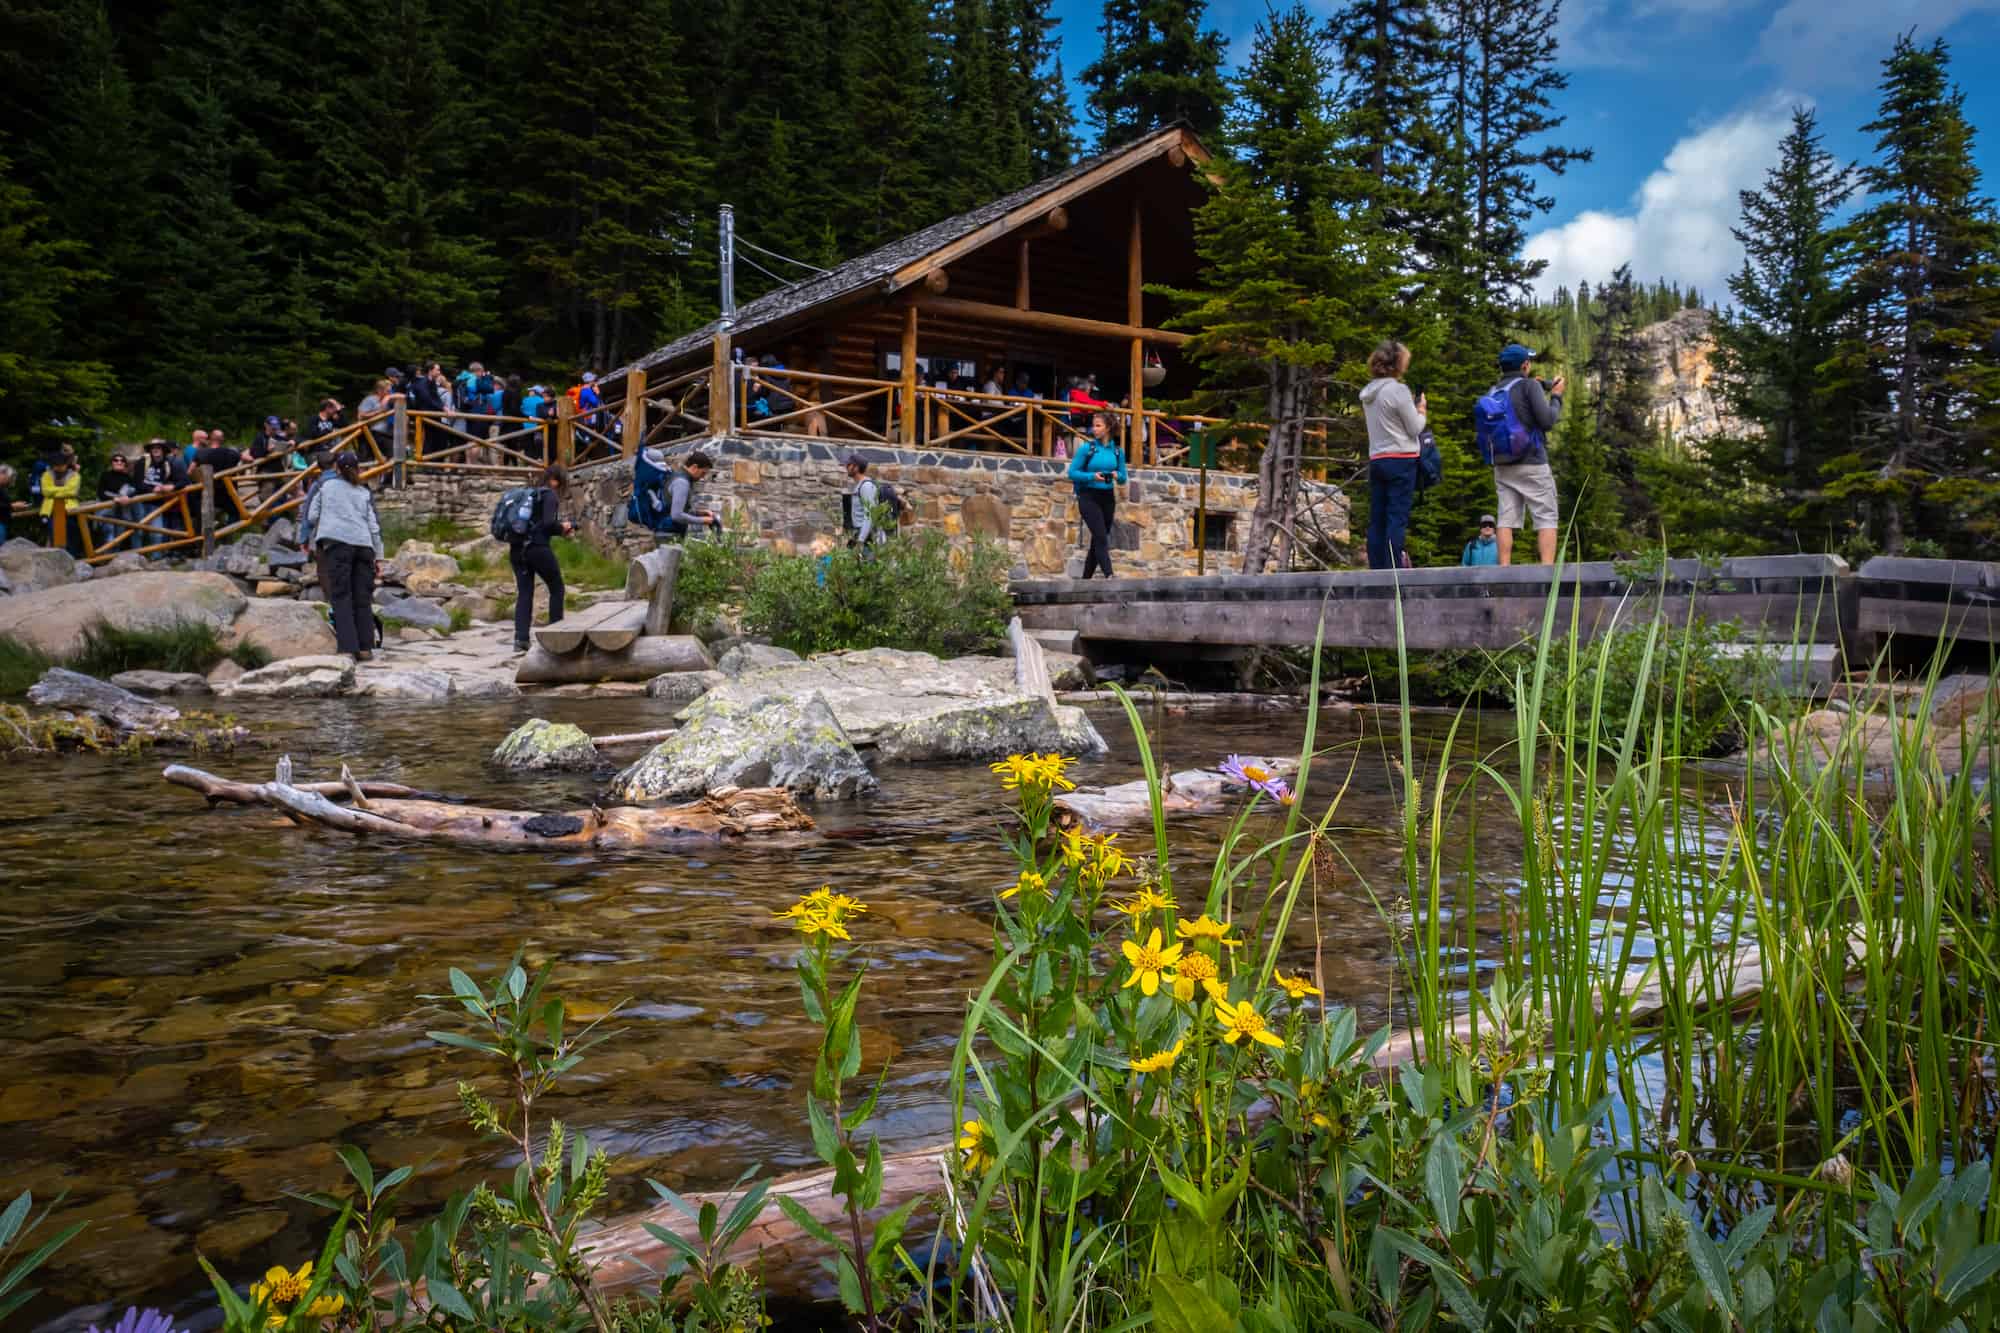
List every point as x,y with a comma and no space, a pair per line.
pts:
909,260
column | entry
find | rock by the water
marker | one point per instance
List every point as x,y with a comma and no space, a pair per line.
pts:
282,627
683,687
411,611
294,678
31,568
539,744
53,620
880,694
484,685
420,685
60,687
771,741
125,562
1069,671
163,682
222,673
747,657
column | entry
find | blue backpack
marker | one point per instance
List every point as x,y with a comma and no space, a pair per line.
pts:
1503,437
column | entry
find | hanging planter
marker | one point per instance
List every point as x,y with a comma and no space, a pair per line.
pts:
1155,370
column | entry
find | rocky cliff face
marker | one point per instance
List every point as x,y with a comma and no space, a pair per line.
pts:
1680,351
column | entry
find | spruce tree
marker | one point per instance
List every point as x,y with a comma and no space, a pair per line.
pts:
1925,303
45,395
1293,292
1159,65
891,185
1037,77
1780,331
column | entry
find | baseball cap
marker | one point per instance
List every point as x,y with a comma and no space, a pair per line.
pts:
856,460
1487,521
1514,354
273,421
590,377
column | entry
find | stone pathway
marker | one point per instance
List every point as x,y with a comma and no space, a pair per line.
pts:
475,663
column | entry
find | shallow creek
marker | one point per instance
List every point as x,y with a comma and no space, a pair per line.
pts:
196,1005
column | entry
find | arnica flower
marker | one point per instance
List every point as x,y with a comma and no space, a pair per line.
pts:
1029,883
1148,960
1242,1020
282,1288
1159,1061
1095,857
822,912
1145,900
1198,969
975,1140
1253,775
1043,772
1296,987
1204,927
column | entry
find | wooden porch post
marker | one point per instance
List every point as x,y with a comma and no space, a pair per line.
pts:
565,430
634,414
721,387
207,476
1021,279
909,367
1135,425
399,443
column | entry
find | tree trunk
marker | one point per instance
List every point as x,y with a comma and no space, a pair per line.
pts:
1278,469
649,656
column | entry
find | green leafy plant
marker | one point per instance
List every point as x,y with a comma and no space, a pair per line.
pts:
15,1228
20,665
722,1296
913,592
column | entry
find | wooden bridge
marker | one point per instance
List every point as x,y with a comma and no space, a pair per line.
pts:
1790,599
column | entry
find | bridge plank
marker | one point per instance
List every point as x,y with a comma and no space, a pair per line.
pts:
602,626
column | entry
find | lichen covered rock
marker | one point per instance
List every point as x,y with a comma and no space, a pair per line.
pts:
769,741
539,744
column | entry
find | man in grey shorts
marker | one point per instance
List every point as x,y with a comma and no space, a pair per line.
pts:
1526,487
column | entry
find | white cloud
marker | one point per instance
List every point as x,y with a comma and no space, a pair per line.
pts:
1678,226
1843,41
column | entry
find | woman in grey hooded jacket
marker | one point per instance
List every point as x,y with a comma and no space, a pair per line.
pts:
1395,420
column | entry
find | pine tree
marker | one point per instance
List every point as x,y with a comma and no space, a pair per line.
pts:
1159,65
1780,331
1391,61
897,130
1293,292
1037,77
1925,297
40,279
1622,431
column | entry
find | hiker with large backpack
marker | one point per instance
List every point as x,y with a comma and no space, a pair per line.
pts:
1396,424
1096,471
872,509
682,516
1512,422
526,518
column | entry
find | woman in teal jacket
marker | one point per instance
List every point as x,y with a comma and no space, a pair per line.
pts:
1096,470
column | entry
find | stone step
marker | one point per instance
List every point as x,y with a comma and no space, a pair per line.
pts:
1055,640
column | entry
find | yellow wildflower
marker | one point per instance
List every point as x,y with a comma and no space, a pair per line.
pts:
325,1306
1029,883
1319,1118
280,1287
1148,960
1147,899
1035,771
1198,969
1242,1020
1159,1061
1204,927
975,1140
822,912
1296,987
811,924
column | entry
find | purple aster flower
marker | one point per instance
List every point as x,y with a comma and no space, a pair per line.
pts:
1254,775
136,1320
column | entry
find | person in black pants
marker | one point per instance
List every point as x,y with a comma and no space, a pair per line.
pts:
1096,470
530,556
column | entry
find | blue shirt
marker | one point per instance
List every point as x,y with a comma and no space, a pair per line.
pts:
1093,456
1481,551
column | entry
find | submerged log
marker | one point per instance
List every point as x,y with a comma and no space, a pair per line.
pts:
397,813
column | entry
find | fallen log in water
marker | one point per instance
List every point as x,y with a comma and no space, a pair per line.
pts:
396,812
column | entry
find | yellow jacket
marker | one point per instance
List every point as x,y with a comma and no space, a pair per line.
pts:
66,489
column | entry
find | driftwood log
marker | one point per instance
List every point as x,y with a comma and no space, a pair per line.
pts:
648,657
396,812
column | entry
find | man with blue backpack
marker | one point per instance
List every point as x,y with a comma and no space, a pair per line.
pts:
1512,422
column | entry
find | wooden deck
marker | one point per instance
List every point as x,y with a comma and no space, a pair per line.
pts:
1807,599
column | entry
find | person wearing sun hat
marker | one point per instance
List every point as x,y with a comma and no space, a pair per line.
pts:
1525,486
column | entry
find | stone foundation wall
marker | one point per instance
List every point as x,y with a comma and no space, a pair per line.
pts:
463,497
790,492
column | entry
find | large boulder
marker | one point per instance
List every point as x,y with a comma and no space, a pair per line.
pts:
411,610
125,562
282,627
770,741
53,620
77,693
294,678
31,568
539,744
163,682
420,567
419,685
748,657
888,698
478,606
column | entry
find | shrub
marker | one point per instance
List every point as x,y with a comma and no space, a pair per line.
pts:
716,573
911,593
20,665
250,656
185,645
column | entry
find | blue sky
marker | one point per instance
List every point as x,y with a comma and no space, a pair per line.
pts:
1684,102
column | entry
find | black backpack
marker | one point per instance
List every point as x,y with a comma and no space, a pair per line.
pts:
514,516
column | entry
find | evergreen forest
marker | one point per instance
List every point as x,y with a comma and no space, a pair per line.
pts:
233,208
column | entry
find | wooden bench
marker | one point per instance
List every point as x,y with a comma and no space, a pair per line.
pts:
608,627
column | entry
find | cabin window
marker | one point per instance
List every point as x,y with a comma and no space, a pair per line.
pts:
1214,536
